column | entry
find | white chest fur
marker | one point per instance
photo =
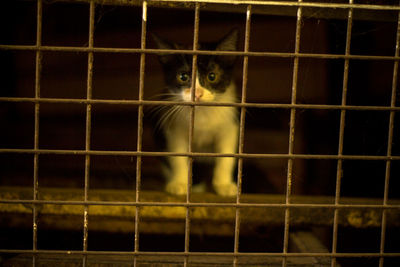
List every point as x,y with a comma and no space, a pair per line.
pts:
210,122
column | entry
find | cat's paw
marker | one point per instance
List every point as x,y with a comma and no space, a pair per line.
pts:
176,188
225,189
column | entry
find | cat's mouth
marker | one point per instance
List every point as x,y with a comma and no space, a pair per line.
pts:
201,94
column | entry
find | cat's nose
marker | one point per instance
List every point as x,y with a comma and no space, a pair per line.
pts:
199,93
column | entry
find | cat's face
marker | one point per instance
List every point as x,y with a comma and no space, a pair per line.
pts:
214,73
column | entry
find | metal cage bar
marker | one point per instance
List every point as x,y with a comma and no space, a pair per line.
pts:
292,134
241,132
191,130
38,71
245,3
216,254
88,129
201,204
192,52
140,127
390,142
194,154
339,170
216,104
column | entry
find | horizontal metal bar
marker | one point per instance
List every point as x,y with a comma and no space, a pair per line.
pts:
191,52
216,254
172,261
181,103
198,204
193,154
243,3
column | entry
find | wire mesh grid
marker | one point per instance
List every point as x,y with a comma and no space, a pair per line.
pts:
290,156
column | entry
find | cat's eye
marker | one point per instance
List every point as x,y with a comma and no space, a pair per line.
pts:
212,77
183,77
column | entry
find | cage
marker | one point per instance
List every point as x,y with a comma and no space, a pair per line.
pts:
318,155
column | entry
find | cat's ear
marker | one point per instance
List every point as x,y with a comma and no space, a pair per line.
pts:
163,44
229,42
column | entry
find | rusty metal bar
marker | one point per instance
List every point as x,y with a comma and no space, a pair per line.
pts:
288,4
216,254
191,52
390,142
195,154
265,8
245,3
38,72
140,127
241,132
339,172
292,133
191,131
170,261
88,130
199,204
216,104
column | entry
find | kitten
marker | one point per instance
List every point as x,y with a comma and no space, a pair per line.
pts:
215,127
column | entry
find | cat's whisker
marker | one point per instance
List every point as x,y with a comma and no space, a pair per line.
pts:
168,116
158,96
155,110
163,118
178,113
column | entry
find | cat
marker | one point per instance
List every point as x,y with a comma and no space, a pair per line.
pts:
214,127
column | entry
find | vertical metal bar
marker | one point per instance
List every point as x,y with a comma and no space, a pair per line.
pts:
390,141
339,170
241,131
88,129
140,126
191,129
38,71
291,135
